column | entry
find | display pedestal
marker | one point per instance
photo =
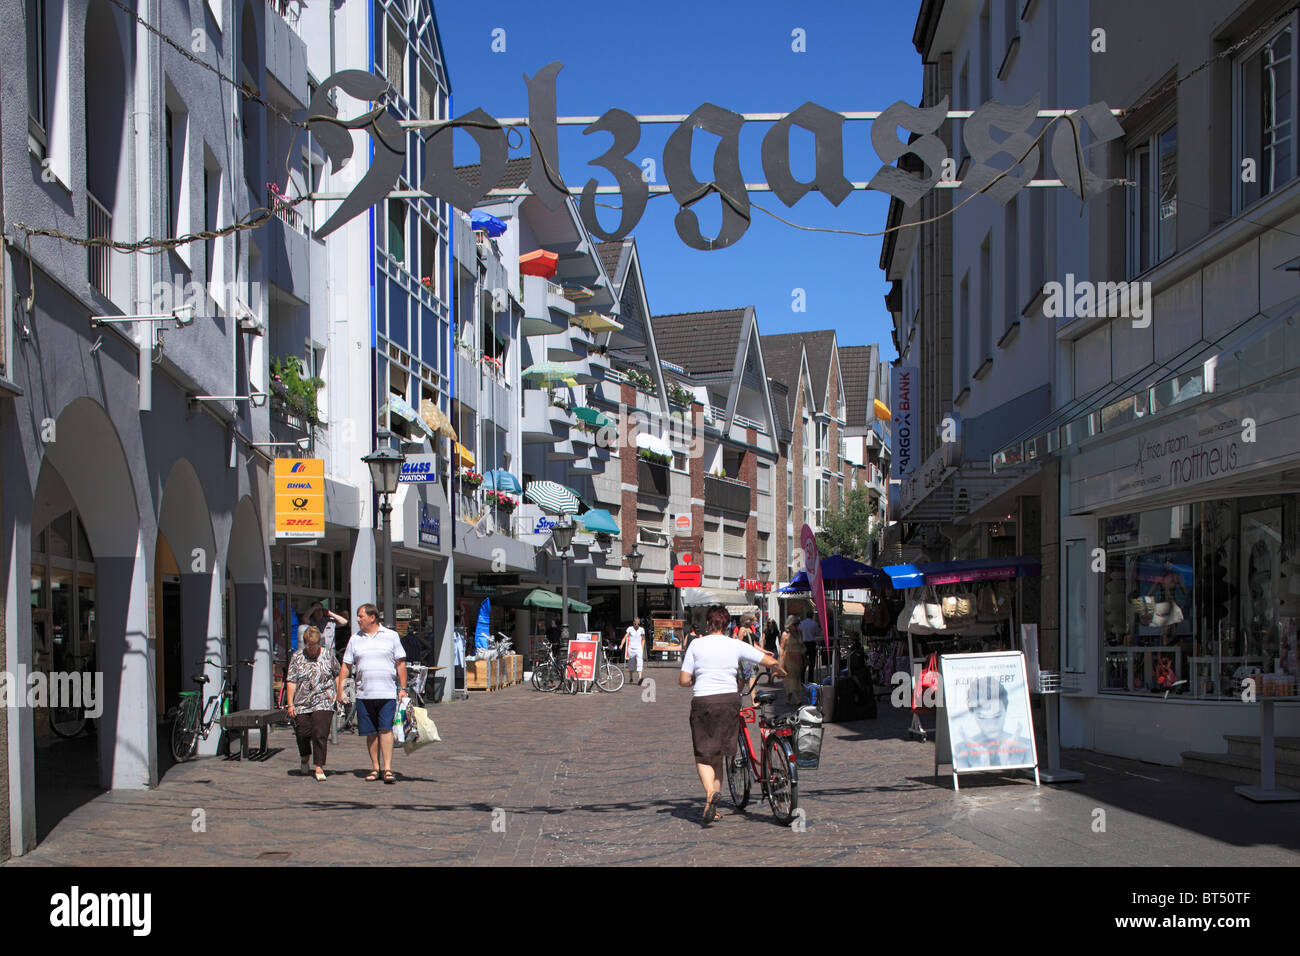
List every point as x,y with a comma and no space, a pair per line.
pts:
1267,791
1052,718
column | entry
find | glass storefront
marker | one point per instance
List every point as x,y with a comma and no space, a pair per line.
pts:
1198,597
62,596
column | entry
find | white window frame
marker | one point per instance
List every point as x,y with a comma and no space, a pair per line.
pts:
1238,119
1144,149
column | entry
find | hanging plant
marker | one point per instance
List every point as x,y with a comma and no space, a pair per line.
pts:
502,501
471,478
296,392
680,396
640,380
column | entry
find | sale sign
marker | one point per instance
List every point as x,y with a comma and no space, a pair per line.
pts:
582,655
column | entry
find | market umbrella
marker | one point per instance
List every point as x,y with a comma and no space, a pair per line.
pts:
548,372
437,419
593,417
484,222
840,573
539,263
498,479
544,600
598,519
555,497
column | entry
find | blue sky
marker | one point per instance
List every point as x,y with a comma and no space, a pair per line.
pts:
670,57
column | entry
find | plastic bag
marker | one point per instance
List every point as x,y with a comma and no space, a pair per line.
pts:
399,731
421,729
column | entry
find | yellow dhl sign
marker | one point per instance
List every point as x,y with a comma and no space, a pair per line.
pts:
299,497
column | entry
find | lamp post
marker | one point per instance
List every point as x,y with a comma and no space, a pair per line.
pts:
634,559
562,536
385,466
764,575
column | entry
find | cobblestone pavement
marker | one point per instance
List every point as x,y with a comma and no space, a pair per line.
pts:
609,779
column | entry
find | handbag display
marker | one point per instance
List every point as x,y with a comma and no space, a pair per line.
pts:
934,613
929,679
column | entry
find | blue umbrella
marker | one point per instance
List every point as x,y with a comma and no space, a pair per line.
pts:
598,519
498,479
490,224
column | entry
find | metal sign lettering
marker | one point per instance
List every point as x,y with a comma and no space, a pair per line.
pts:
1014,142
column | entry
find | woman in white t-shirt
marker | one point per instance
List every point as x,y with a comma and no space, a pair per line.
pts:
709,665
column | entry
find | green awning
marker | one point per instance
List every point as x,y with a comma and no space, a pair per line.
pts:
593,416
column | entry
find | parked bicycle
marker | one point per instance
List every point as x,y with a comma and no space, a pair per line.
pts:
555,673
192,720
68,720
771,763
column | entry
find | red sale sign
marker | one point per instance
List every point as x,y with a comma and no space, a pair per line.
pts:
582,655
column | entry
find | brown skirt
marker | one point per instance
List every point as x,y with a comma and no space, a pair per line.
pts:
715,727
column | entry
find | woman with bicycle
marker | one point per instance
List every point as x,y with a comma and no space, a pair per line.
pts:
709,666
311,699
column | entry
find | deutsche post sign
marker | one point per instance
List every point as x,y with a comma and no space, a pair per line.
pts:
299,497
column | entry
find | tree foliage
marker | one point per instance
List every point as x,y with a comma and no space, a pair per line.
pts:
845,530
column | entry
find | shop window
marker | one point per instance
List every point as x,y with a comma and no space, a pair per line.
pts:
1201,597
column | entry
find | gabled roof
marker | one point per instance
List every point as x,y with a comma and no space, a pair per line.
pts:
516,172
781,399
610,253
855,369
703,343
784,360
782,351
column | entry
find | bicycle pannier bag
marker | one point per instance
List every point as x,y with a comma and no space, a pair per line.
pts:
808,738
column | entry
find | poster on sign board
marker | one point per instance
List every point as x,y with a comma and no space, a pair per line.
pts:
582,655
985,722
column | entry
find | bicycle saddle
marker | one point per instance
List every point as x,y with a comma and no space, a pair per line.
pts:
764,696
200,678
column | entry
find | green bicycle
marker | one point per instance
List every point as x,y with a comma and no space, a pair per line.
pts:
190,722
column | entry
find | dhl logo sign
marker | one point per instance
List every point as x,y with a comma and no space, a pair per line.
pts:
299,501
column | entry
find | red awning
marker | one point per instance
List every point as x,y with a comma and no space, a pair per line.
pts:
539,263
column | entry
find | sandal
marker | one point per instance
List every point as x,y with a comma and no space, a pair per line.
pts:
711,807
320,774
372,776
390,777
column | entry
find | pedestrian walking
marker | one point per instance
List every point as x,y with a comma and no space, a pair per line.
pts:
771,644
377,656
811,632
324,620
634,642
792,658
691,635
312,693
747,675
709,666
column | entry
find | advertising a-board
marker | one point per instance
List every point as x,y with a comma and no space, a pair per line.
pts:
986,703
667,634
582,655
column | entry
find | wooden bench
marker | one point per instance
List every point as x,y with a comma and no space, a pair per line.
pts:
242,721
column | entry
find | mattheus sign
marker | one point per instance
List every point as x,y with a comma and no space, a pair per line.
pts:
1018,148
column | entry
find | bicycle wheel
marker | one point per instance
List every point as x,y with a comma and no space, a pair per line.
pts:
67,721
738,781
546,678
185,730
782,775
611,678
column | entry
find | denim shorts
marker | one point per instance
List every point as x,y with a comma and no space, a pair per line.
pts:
375,716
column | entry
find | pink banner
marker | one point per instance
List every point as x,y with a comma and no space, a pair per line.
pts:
813,565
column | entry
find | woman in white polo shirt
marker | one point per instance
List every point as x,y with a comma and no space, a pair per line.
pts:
710,666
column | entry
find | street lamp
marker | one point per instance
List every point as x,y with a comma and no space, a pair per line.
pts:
385,467
634,559
764,575
562,537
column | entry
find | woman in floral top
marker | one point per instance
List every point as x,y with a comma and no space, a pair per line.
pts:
311,698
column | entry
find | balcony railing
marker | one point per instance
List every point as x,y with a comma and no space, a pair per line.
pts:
290,11
99,226
728,494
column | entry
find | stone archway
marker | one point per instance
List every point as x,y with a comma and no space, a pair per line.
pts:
185,529
246,561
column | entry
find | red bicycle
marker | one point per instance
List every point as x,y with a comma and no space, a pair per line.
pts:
771,764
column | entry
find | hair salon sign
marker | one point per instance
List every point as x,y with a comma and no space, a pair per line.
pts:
1018,148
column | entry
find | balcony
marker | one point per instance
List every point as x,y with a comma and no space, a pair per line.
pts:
728,494
100,226
652,478
286,53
